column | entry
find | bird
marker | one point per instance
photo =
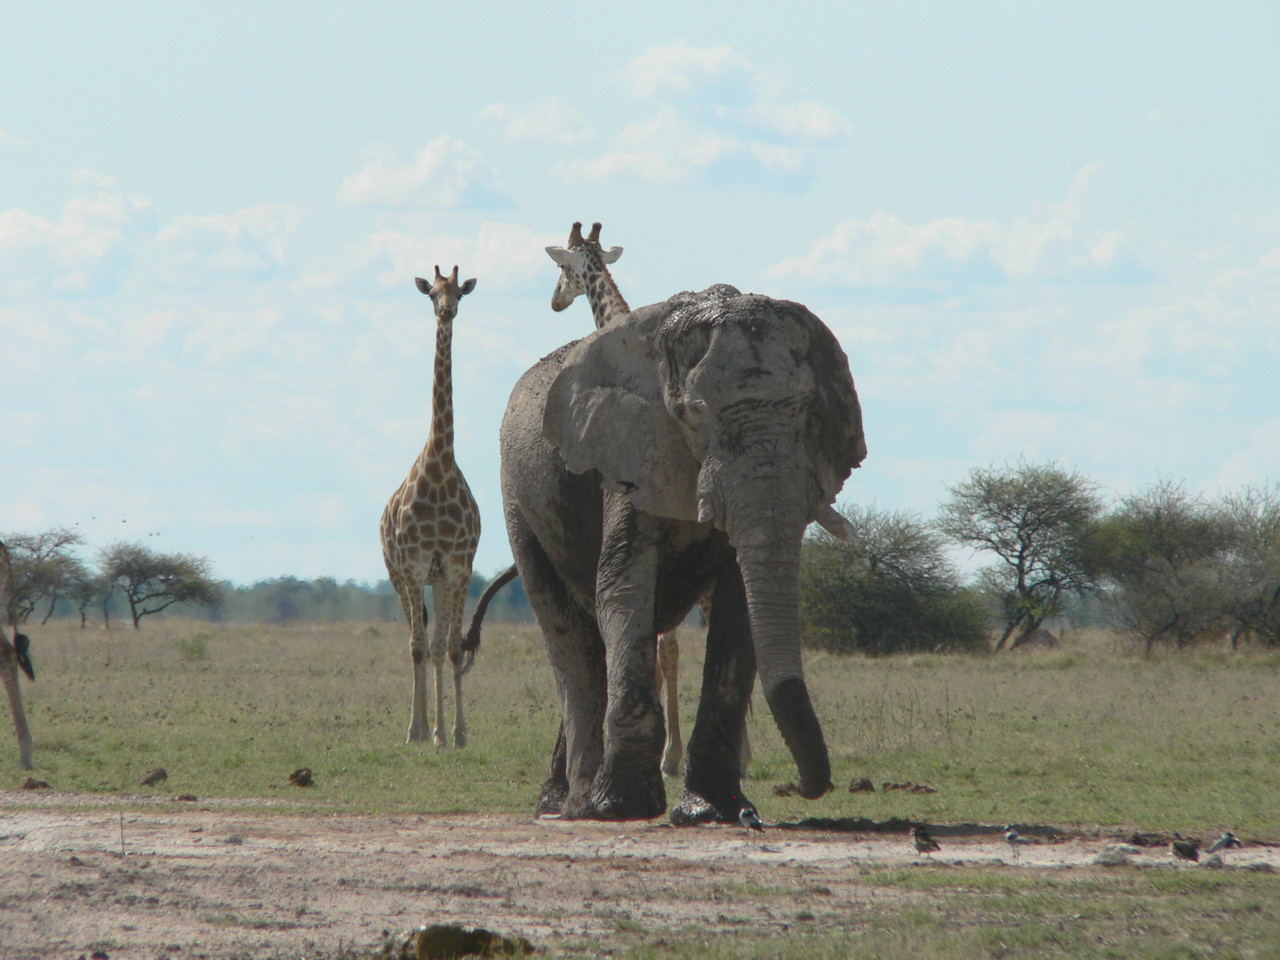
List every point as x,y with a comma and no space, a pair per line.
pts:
1185,850
924,843
1224,842
1014,839
748,817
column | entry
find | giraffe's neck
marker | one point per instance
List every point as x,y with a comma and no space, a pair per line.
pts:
440,442
607,304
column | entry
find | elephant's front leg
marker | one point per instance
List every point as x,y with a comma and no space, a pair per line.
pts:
713,769
629,783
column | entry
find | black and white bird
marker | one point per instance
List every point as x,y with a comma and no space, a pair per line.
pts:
1224,842
748,817
1014,839
1185,850
924,843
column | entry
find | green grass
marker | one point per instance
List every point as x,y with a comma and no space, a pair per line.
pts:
970,913
1088,734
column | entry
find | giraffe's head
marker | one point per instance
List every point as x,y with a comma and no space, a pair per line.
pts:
445,292
579,262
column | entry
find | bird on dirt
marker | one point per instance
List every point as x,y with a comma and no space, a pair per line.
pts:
924,843
748,817
1014,839
1185,850
1224,842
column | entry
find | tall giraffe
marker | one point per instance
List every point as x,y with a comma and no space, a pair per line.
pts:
430,529
14,656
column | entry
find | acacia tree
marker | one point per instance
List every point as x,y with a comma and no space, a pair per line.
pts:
44,568
891,589
1033,518
1165,553
152,581
1251,564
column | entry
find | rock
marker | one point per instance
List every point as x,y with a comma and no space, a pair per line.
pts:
1111,858
862,785
153,776
447,941
302,777
786,790
31,783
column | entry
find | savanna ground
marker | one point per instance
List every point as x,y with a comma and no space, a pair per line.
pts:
1088,739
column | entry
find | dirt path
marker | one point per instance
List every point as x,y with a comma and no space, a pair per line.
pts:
208,882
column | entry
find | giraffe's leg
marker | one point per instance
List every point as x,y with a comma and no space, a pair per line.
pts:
439,647
415,612
457,603
668,673
9,674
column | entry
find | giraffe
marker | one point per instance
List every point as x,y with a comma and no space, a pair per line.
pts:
14,656
430,529
584,269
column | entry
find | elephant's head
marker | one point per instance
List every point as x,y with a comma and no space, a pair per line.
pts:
731,410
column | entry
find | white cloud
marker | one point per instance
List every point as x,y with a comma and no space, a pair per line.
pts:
501,255
679,69
1052,246
10,141
249,243
85,250
718,122
549,121
446,173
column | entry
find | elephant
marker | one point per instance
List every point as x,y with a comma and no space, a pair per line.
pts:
679,451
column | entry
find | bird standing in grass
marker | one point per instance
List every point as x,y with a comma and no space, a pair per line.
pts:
748,817
1224,842
1014,839
1185,850
924,843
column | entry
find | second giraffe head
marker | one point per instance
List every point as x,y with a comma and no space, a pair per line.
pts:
445,292
579,261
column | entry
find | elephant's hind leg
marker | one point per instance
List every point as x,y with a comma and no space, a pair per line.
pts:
668,693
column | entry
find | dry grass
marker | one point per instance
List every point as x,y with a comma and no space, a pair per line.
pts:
1087,733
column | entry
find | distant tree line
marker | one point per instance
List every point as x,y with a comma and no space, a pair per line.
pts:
130,581
1163,565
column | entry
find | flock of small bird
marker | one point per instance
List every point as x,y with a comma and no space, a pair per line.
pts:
925,844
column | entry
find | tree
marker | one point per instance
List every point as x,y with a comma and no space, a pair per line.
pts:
152,581
44,569
1251,565
1034,518
1164,552
892,589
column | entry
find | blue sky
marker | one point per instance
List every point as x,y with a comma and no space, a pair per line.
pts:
1043,230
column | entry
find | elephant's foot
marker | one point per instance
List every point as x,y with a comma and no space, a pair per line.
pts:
552,799
627,790
439,739
710,806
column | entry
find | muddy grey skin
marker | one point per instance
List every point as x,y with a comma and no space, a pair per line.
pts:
683,449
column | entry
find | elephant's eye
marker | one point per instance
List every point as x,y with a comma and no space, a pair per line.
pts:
695,409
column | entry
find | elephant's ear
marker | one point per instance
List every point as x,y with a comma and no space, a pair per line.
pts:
835,439
605,412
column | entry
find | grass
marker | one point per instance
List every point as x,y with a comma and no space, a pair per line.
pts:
968,913
1088,734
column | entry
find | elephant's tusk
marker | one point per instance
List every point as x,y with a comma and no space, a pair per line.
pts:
836,525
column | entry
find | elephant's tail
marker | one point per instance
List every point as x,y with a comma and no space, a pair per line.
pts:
471,642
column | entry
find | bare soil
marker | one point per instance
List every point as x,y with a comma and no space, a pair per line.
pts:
214,880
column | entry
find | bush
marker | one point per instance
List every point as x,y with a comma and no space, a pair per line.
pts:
891,590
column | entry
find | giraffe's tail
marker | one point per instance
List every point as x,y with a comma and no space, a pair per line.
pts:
471,642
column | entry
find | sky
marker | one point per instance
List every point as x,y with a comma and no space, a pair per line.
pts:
1047,231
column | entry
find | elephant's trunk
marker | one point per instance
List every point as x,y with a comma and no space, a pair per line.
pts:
767,533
